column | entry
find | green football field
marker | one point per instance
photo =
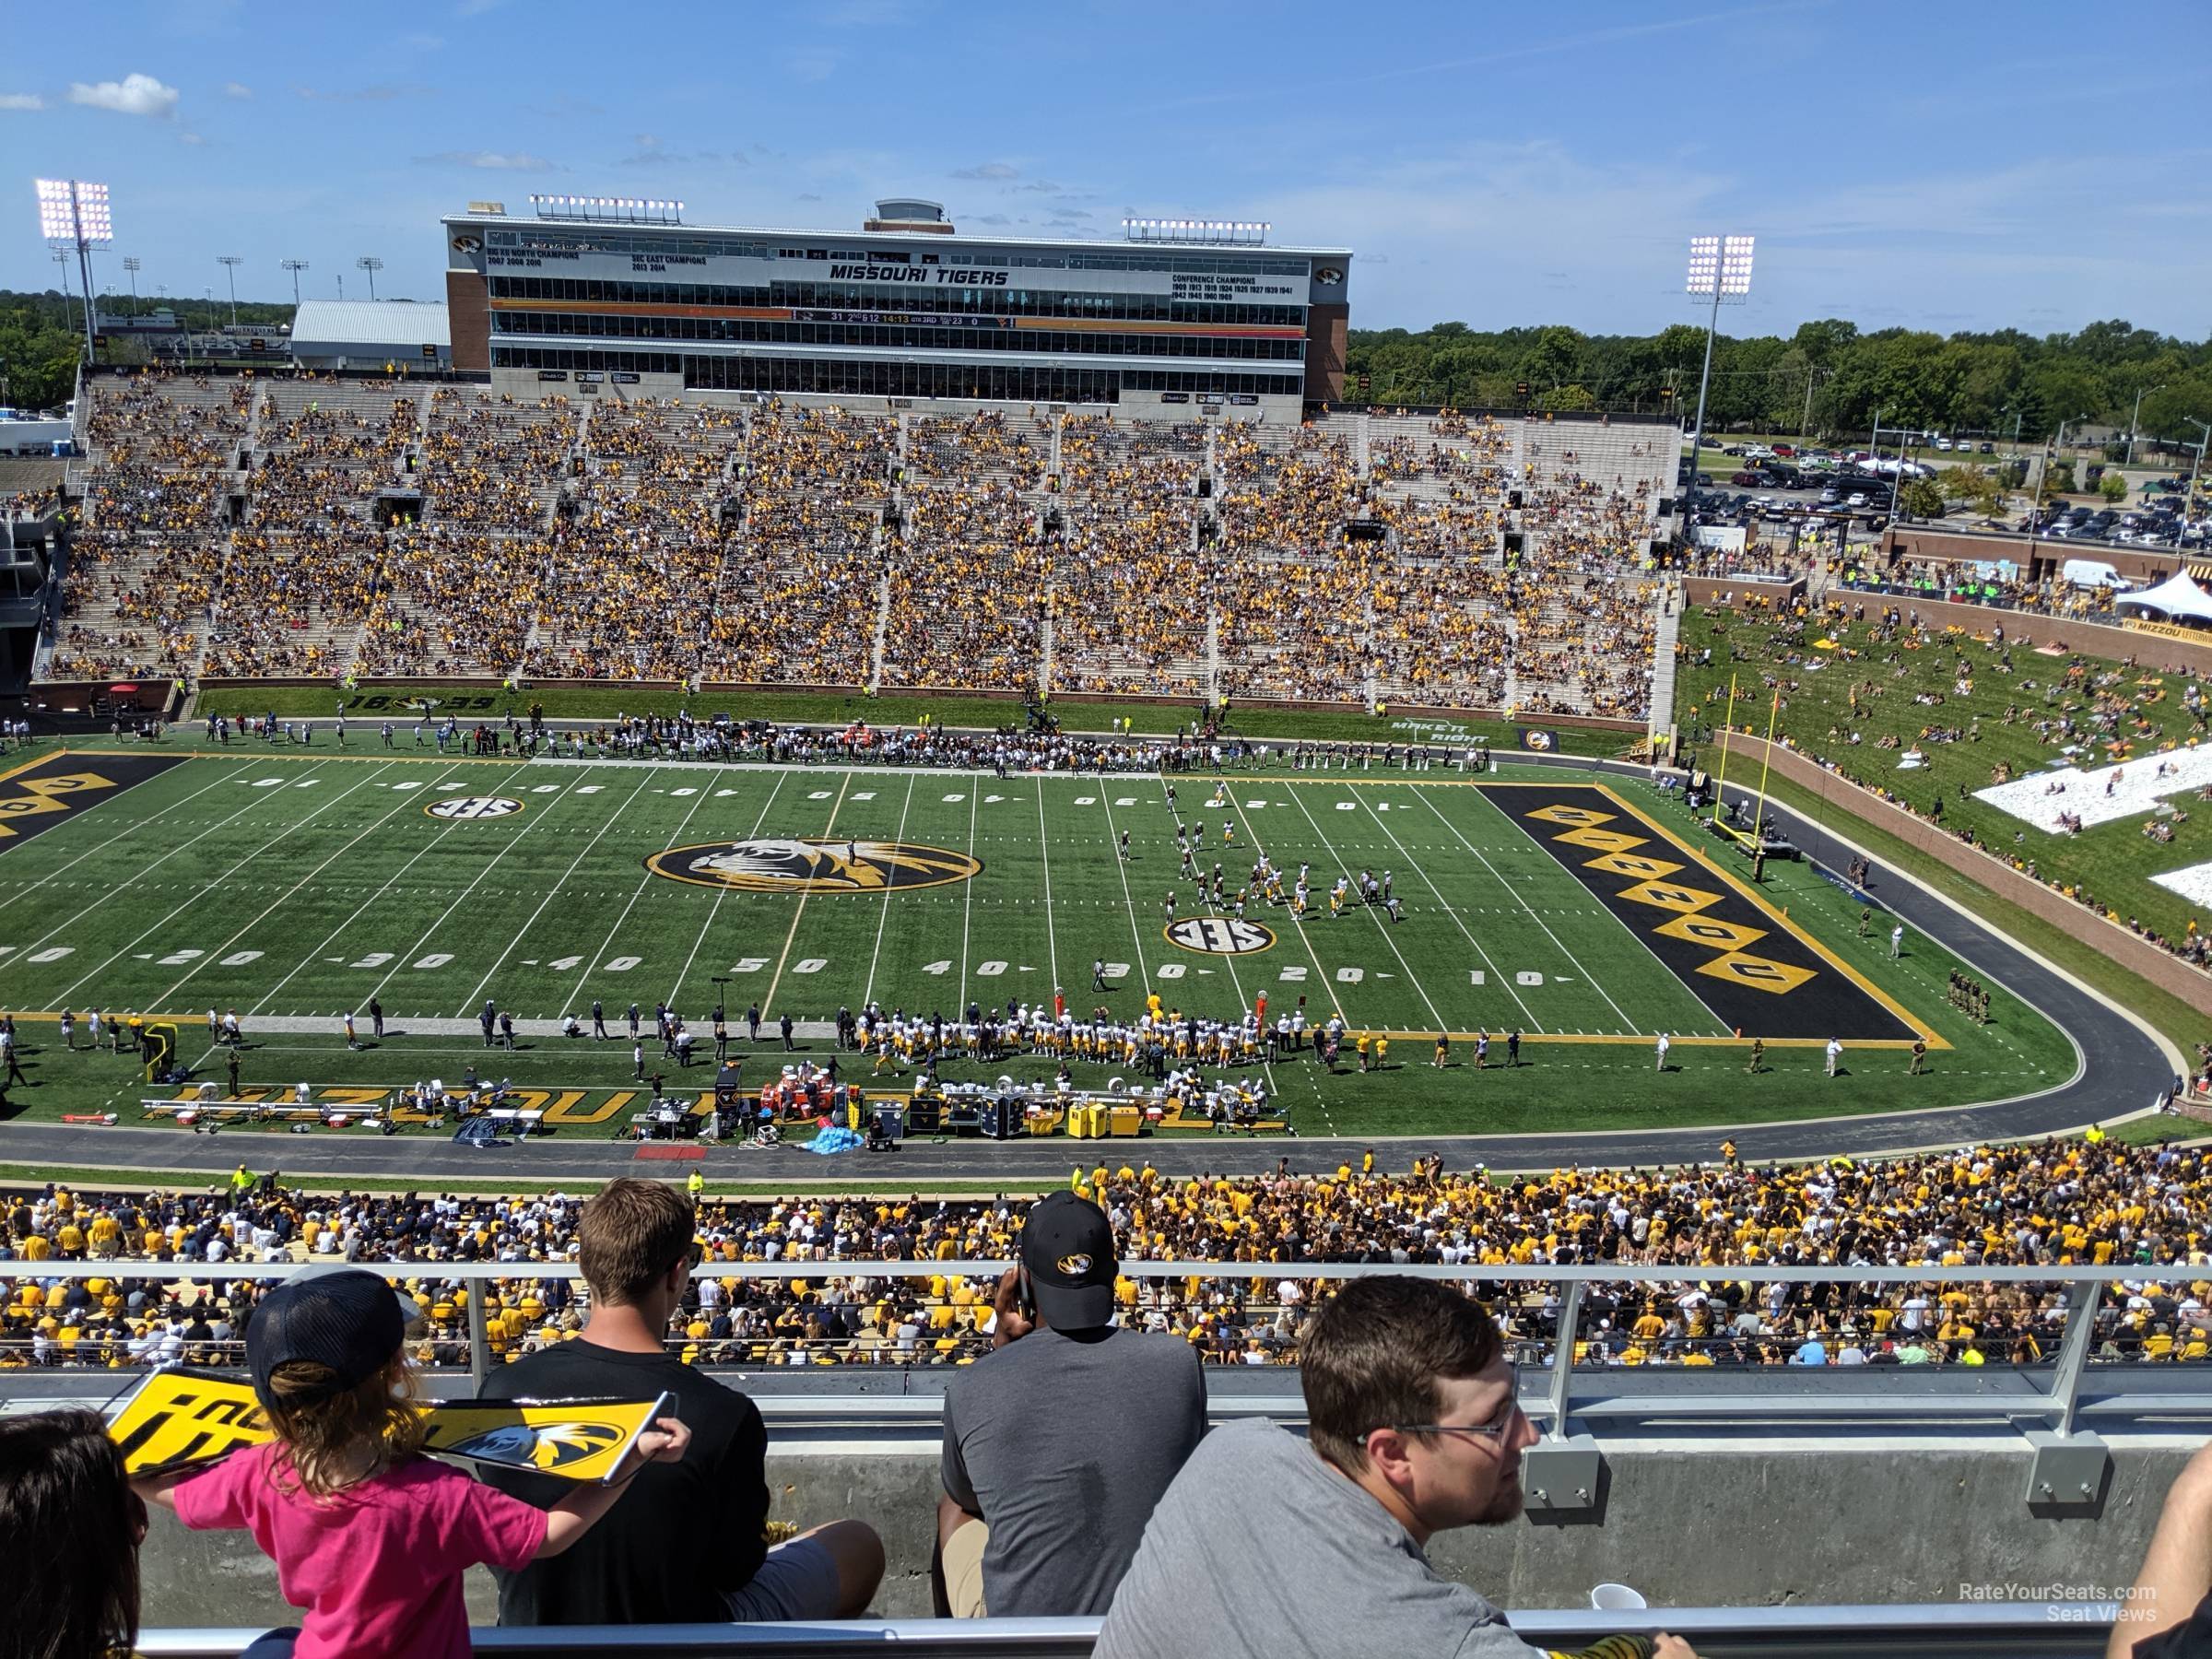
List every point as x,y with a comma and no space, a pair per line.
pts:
1587,915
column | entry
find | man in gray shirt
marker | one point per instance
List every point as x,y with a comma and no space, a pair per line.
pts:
1270,1547
1058,1444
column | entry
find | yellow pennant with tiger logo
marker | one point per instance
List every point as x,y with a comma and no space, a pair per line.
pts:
186,1419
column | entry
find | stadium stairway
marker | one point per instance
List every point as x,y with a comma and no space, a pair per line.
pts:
1662,658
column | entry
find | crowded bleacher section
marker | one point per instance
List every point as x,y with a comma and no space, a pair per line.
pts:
299,527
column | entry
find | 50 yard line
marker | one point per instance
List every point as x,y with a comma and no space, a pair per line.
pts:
768,1004
884,921
1051,941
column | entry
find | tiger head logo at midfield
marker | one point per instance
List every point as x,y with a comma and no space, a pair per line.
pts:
817,864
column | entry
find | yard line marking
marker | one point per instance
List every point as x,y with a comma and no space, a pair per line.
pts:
768,1005
297,825
491,863
713,910
884,921
469,1001
1595,901
1504,979
646,880
261,1002
1441,1022
967,897
1237,985
1327,986
1137,936
145,869
210,957
1052,940
33,887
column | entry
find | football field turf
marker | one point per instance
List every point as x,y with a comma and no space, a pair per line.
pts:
1587,915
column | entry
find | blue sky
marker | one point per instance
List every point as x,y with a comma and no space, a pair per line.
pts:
2032,165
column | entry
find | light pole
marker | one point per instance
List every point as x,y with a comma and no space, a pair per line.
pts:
2135,420
74,212
2197,465
131,264
230,262
371,264
1719,267
61,257
295,267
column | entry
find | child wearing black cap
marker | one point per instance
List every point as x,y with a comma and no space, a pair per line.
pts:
368,1535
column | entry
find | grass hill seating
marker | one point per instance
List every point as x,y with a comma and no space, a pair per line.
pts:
329,529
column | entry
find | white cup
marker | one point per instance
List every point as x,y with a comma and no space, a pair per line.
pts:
1616,1598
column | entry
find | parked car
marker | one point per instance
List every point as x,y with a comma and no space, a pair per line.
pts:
1944,444
1987,448
1744,480
1734,449
1856,499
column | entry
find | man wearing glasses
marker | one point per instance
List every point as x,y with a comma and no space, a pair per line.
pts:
1275,1547
690,1549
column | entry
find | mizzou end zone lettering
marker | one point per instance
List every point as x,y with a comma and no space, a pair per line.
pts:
1755,970
41,796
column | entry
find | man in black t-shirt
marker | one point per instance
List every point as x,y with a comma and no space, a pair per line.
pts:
690,1546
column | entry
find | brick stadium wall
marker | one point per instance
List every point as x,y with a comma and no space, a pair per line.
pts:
1709,590
1327,327
2039,557
468,319
2110,940
2159,650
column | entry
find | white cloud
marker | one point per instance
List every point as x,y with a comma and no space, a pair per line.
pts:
812,63
477,8
190,138
21,101
989,169
132,95
236,89
517,162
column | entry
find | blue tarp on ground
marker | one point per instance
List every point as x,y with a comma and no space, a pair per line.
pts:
834,1140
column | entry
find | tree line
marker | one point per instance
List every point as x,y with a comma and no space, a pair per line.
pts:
1826,379
42,337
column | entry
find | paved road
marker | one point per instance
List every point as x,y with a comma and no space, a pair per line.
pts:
2120,1068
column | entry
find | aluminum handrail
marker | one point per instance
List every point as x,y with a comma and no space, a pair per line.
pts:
2058,1405
2018,1629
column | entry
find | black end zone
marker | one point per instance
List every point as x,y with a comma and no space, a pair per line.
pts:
1756,971
63,785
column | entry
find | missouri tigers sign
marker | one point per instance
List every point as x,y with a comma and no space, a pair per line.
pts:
186,1419
817,864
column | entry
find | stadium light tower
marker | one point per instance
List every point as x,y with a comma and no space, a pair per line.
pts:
1719,267
230,262
371,264
131,262
295,267
73,213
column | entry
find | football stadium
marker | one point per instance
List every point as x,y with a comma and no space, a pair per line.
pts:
873,901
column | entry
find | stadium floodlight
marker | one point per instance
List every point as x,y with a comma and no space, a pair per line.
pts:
1237,232
74,212
371,264
230,262
132,263
295,267
1720,268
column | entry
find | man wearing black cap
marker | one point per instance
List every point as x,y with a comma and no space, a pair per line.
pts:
1058,1444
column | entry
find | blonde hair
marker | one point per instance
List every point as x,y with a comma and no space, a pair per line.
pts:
322,1429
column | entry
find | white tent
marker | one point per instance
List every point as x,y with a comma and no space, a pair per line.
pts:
2177,597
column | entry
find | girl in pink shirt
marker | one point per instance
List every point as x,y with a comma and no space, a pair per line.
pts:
370,1536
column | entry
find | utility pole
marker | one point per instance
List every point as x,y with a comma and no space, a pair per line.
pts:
2206,426
230,262
371,264
295,267
1805,427
2136,420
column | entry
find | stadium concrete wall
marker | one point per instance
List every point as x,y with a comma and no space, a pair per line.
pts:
1714,1521
2167,651
2109,938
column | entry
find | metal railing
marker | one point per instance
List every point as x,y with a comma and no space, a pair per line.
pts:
1556,1389
1965,1630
